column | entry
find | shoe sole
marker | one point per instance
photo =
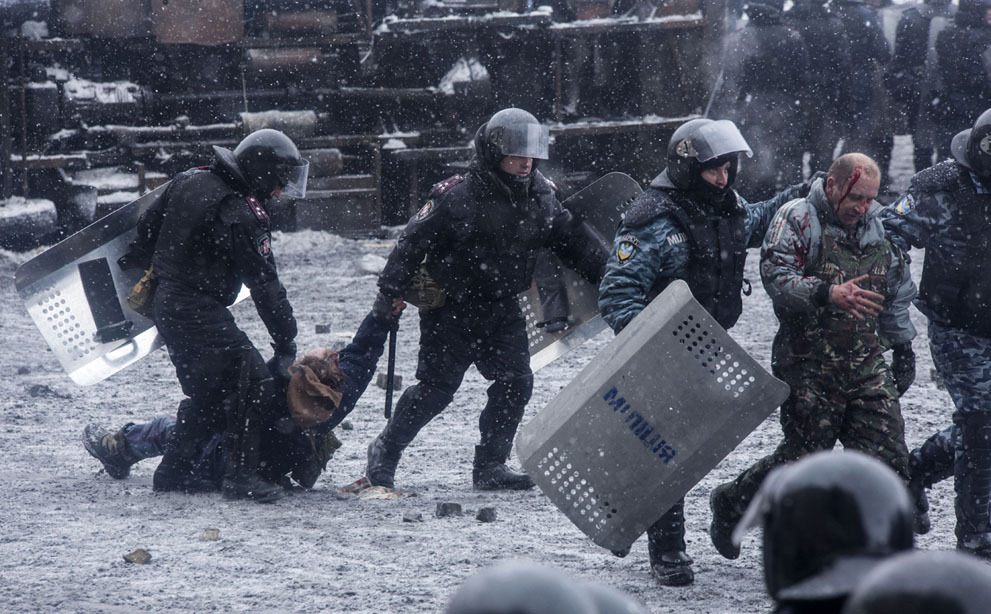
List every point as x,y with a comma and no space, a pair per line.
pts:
92,446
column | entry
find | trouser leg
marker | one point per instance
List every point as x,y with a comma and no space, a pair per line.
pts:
416,408
811,419
253,407
972,484
669,562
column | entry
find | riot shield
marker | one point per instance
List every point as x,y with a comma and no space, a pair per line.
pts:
77,297
600,205
646,420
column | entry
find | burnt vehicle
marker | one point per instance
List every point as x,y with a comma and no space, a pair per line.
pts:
102,100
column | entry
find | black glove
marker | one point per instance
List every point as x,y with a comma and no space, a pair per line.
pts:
383,309
278,365
806,186
903,367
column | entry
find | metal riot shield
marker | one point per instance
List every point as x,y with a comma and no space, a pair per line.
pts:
648,417
77,297
600,205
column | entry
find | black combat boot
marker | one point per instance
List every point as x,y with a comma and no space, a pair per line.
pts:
178,473
669,562
383,459
972,473
111,449
241,461
725,516
489,472
930,463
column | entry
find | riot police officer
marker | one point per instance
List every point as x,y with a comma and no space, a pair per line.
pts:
828,519
477,239
947,212
964,77
923,583
206,235
689,224
765,67
824,104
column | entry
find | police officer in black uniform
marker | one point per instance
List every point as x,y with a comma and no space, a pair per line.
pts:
965,79
205,236
477,238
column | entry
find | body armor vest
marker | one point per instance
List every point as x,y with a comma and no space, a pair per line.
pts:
718,246
957,290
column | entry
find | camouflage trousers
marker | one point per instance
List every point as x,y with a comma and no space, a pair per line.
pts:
963,363
851,401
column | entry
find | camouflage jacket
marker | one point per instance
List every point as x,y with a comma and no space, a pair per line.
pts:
792,250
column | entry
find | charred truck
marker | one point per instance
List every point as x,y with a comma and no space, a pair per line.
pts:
102,100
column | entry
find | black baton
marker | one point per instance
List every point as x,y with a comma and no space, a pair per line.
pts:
390,372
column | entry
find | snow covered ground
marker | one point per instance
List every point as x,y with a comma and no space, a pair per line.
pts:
65,525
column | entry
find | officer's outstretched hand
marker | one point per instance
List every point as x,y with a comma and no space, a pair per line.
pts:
850,297
903,367
388,309
278,365
806,186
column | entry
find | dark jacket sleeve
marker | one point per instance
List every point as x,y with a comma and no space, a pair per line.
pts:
426,230
255,265
578,246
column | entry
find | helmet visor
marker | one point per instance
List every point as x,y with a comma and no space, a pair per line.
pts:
719,138
292,178
524,140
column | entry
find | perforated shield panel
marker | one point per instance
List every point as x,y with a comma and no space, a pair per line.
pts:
52,291
647,418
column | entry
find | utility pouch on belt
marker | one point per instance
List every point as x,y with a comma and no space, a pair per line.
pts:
141,294
423,292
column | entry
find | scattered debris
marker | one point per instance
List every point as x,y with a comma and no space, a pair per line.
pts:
138,557
43,390
346,425
486,514
23,371
382,379
412,517
448,509
323,329
210,535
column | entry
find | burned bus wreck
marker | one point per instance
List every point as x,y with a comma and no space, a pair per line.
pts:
103,100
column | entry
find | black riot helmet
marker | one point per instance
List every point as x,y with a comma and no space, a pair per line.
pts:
828,518
522,587
972,147
924,583
511,132
270,161
698,143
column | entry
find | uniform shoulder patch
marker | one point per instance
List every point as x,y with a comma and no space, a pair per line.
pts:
256,208
428,207
626,248
447,184
264,244
905,204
